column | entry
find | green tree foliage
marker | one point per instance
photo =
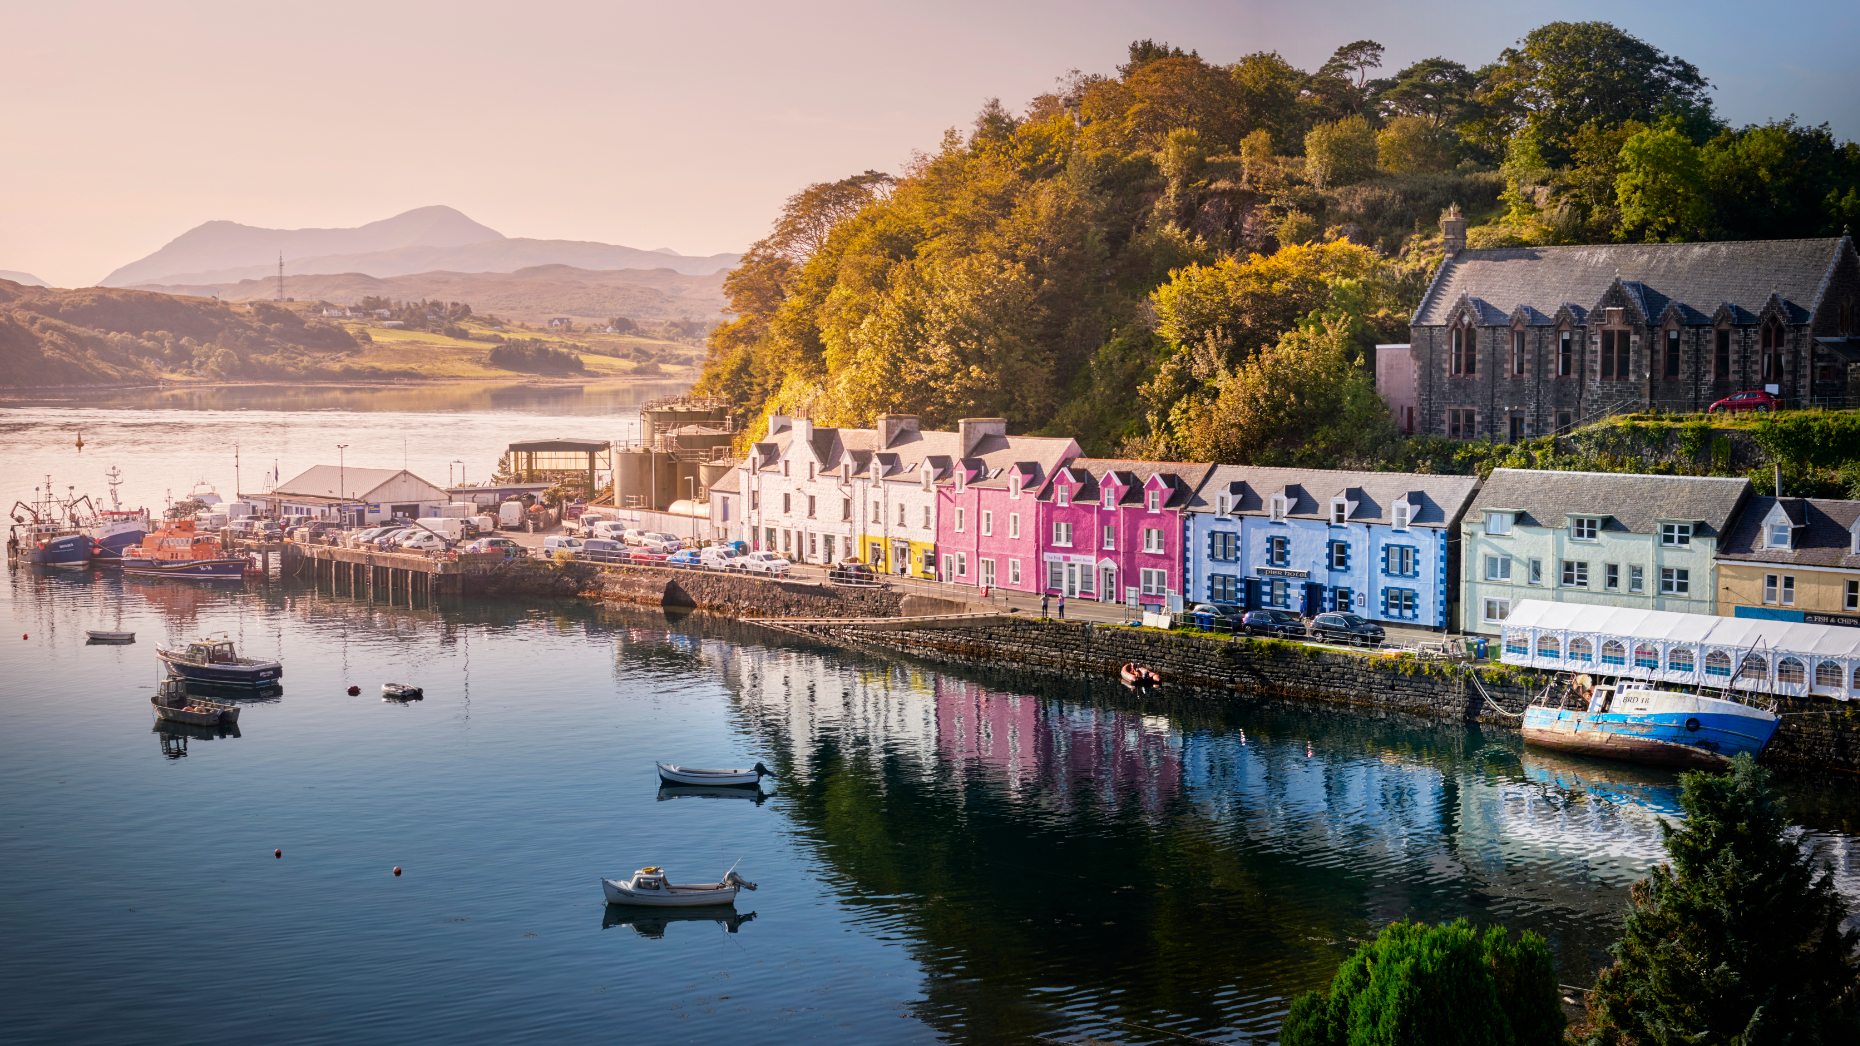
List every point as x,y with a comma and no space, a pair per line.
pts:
1434,89
1567,75
1439,985
1780,179
1340,153
534,356
1661,186
1414,145
1738,938
1266,91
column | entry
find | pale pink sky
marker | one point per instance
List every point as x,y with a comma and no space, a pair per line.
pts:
658,124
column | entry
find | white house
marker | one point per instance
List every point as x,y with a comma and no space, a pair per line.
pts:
353,494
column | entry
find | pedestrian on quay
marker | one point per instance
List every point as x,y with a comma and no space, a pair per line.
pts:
1062,606
1046,602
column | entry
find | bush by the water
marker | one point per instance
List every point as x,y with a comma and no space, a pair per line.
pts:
534,356
1445,985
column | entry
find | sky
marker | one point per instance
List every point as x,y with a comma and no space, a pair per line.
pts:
681,125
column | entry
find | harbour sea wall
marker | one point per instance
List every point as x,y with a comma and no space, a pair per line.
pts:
751,596
1821,734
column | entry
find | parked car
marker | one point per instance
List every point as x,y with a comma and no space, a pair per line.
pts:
720,557
646,555
766,563
366,536
613,530
1216,617
1353,629
603,550
556,542
1747,400
1277,624
508,548
852,572
660,542
685,557
423,541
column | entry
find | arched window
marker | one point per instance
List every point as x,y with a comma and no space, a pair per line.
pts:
1549,646
1791,670
1754,667
1516,644
1465,345
1681,660
1582,650
1856,685
1718,663
1614,653
1828,675
1645,656
1772,351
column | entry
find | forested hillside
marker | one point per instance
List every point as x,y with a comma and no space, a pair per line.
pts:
1194,258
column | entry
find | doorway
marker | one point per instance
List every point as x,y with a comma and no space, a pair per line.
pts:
1107,584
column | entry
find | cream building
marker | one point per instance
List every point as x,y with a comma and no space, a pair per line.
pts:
1793,559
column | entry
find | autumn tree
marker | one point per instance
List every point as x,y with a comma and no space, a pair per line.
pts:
1340,153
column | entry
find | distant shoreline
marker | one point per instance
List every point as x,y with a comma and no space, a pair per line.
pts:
336,383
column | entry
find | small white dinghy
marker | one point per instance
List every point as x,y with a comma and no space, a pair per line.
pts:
100,636
671,773
648,888
401,692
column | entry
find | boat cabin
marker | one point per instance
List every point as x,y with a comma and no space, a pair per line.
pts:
649,879
212,652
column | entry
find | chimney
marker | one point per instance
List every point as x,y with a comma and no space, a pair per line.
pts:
894,427
971,431
1453,230
779,423
803,429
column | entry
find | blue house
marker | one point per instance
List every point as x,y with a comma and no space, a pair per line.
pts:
1381,544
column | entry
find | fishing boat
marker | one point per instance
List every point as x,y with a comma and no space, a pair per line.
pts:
174,704
97,635
401,692
1135,675
649,889
177,549
674,774
1644,724
44,533
115,530
215,661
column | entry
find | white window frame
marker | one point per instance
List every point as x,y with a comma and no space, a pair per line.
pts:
962,518
929,524
1153,540
1675,535
1585,528
1402,515
1852,599
1152,500
1154,581
1498,524
1637,578
1062,496
1062,534
988,523
1107,498
1013,571
1014,526
1778,534
1677,581
1536,569
1107,537
1279,508
1223,504
1779,590
1498,568
1495,611
1575,573
1339,512
986,567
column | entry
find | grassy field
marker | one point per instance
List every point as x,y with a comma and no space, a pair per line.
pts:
428,354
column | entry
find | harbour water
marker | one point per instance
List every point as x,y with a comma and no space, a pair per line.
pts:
943,855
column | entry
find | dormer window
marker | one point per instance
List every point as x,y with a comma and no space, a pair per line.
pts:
1278,508
927,479
1152,500
1401,515
1224,505
962,483
1779,534
1498,524
1585,528
1108,498
1675,535
1339,512
1014,485
1062,496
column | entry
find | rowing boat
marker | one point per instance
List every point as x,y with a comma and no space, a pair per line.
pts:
671,773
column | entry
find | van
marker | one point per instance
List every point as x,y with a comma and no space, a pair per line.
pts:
555,541
602,550
485,523
510,515
450,528
611,529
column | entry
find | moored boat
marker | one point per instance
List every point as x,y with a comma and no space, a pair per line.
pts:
401,692
97,635
174,704
46,534
671,773
1135,675
1643,724
216,661
177,549
116,530
648,888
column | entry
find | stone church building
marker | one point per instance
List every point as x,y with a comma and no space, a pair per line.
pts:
1515,342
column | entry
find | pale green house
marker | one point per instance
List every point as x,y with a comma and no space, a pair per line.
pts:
1645,542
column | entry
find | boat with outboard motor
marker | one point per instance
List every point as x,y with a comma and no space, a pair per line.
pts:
648,888
178,549
401,692
673,774
173,704
215,661
1644,724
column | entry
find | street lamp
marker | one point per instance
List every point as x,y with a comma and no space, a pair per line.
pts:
342,483
461,466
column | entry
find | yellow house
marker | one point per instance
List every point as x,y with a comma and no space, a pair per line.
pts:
1793,559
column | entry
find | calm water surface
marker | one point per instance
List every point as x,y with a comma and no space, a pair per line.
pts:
944,855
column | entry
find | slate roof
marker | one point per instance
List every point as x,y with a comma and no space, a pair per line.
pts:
994,457
1696,277
1184,478
324,481
1823,536
1438,500
1629,503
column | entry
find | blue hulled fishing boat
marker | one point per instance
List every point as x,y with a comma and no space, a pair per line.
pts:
116,530
1643,724
45,533
215,662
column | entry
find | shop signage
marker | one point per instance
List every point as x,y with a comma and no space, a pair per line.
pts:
1283,572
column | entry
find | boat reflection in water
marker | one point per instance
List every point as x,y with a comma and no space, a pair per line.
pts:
651,922
672,791
1620,784
175,736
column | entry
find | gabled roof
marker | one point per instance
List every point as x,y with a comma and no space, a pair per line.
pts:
994,457
1627,502
1822,535
1700,277
1437,500
1133,475
329,481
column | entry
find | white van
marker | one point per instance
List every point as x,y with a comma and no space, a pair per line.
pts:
447,527
556,541
510,515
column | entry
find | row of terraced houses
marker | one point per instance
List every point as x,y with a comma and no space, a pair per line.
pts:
982,508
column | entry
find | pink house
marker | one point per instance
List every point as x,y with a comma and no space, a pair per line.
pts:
988,508
1111,530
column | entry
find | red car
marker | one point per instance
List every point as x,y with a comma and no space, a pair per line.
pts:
1749,399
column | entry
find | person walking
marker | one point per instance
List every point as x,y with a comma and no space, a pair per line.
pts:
1046,603
1062,606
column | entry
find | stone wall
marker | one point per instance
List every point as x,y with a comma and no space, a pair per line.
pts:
1817,734
746,595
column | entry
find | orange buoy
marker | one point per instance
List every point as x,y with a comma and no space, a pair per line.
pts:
397,869
277,853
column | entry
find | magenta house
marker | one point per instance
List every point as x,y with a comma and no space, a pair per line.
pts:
1111,530
988,508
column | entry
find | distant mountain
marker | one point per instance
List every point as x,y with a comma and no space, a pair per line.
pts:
428,239
26,278
531,295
